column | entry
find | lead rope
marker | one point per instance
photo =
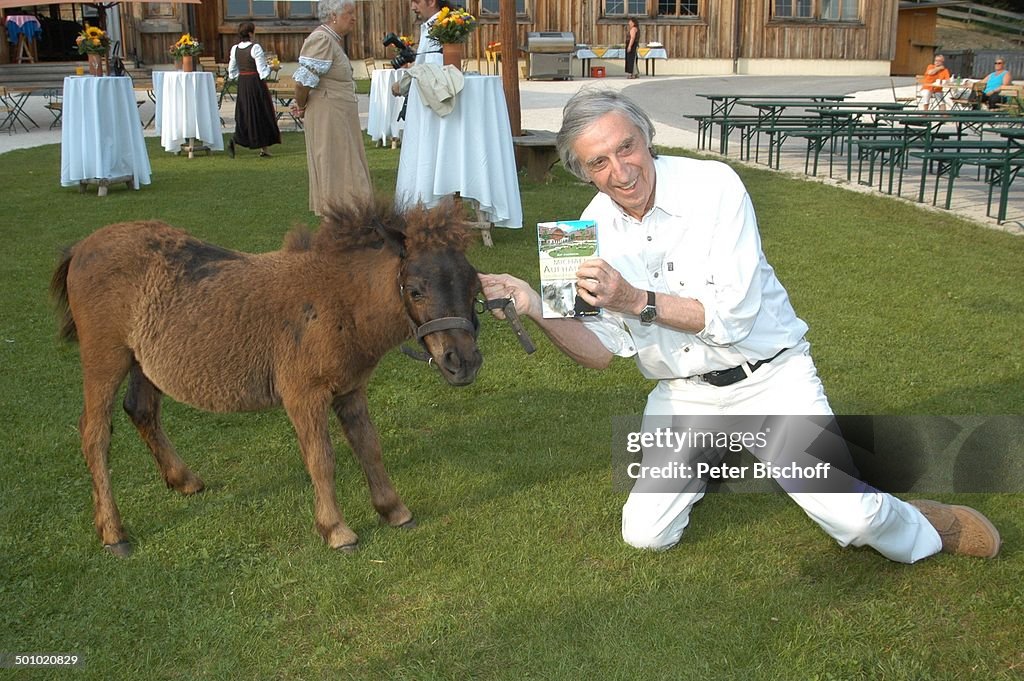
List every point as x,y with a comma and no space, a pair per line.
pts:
508,306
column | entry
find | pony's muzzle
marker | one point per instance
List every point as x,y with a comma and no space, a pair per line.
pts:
459,365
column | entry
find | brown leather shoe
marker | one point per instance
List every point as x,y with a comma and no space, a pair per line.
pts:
964,531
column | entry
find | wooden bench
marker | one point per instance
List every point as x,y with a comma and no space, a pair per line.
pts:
538,153
815,135
996,163
706,128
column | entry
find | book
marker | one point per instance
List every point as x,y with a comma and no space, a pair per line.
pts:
563,245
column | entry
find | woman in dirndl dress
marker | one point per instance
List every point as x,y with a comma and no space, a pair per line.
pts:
255,118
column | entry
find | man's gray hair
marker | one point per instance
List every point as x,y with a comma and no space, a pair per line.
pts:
585,107
327,8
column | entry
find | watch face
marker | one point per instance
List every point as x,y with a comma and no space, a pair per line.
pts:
648,314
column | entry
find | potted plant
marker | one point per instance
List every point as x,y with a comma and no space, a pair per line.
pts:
452,28
185,49
95,43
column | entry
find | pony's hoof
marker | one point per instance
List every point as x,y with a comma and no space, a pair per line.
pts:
188,486
121,549
409,524
348,548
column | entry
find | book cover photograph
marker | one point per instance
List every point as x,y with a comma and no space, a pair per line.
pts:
563,246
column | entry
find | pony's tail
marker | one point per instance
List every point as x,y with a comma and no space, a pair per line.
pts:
59,294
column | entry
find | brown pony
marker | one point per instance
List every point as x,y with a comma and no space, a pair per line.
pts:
301,327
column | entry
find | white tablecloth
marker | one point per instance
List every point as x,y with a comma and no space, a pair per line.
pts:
186,108
382,122
101,134
468,151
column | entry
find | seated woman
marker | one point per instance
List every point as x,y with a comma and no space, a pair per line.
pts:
994,82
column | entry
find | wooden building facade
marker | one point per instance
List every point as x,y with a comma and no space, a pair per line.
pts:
703,36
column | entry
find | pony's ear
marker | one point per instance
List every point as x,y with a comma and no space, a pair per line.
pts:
391,234
443,226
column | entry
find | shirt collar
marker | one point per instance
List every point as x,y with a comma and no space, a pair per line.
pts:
665,199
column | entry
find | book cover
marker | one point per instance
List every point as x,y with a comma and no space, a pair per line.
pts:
563,246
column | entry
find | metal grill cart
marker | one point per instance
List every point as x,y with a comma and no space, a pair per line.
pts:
549,54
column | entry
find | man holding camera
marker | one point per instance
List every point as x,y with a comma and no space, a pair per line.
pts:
428,50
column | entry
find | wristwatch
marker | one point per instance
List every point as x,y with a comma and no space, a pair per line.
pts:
650,312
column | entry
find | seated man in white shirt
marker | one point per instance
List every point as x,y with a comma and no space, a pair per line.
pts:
685,289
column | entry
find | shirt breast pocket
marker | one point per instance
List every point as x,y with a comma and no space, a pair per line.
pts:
683,278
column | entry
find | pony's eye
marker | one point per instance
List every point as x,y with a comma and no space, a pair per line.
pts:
416,295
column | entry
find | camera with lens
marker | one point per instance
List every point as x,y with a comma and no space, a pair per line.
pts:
406,55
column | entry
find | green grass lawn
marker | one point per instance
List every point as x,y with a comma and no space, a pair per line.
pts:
517,569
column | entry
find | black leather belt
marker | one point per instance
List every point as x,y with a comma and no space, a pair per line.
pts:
725,377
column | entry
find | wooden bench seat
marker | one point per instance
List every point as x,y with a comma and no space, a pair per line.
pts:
706,124
779,129
894,144
537,149
815,135
997,163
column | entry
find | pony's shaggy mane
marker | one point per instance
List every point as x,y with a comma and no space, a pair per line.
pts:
376,225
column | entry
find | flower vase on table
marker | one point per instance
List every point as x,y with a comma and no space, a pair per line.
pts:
95,64
184,51
451,28
453,54
94,43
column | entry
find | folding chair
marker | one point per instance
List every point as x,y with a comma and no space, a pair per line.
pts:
55,105
968,97
283,92
901,99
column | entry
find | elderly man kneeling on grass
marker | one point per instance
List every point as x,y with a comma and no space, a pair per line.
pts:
685,288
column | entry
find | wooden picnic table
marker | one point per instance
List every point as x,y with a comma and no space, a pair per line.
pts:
723,103
923,136
772,120
924,128
848,119
962,120
948,156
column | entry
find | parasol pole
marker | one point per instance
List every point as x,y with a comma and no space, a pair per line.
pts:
510,62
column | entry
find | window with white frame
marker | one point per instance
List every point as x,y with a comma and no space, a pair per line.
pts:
623,8
824,10
678,8
267,9
839,10
652,8
489,8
